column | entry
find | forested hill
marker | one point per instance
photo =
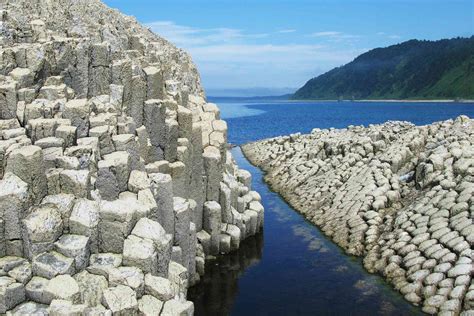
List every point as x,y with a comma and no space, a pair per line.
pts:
411,70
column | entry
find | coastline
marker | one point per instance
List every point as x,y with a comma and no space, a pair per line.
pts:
416,101
386,101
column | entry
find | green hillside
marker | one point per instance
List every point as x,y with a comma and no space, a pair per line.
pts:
411,70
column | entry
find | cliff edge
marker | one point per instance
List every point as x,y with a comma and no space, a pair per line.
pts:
116,183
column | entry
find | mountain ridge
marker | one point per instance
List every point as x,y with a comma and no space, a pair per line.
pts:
415,69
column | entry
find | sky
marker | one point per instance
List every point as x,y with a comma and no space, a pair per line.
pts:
240,44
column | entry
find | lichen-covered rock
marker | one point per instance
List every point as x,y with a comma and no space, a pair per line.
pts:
149,306
121,300
41,228
151,230
91,287
62,287
35,290
59,307
50,264
75,247
14,201
159,287
130,276
11,293
29,308
27,163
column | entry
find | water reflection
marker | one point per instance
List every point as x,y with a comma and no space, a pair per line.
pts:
218,289
299,272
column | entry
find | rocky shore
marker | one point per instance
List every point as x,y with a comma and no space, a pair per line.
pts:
116,183
400,196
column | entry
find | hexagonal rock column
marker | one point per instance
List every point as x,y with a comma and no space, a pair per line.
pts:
121,300
182,237
40,229
113,175
117,218
212,224
14,200
213,168
162,189
151,230
27,163
11,293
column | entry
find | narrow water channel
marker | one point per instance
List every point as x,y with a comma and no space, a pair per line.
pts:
291,269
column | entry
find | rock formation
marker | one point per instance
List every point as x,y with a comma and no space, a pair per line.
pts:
115,179
400,196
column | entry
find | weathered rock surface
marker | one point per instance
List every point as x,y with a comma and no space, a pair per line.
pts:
400,196
111,162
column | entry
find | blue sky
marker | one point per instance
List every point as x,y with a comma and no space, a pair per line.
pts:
283,43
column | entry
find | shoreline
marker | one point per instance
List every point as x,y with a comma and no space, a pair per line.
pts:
387,101
262,99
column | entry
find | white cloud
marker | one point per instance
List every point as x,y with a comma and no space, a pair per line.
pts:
267,53
286,31
326,34
394,36
389,36
335,37
185,36
266,65
233,58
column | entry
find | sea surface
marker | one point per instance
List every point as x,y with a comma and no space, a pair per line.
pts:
292,268
255,120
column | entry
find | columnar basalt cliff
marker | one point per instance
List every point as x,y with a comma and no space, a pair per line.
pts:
400,196
116,183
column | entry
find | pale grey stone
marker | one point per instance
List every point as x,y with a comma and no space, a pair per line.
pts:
76,247
178,307
51,264
149,306
130,276
121,300
35,290
91,287
11,293
62,287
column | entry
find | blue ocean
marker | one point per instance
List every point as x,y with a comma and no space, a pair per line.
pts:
253,120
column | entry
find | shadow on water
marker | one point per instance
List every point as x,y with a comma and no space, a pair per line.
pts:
216,293
294,270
